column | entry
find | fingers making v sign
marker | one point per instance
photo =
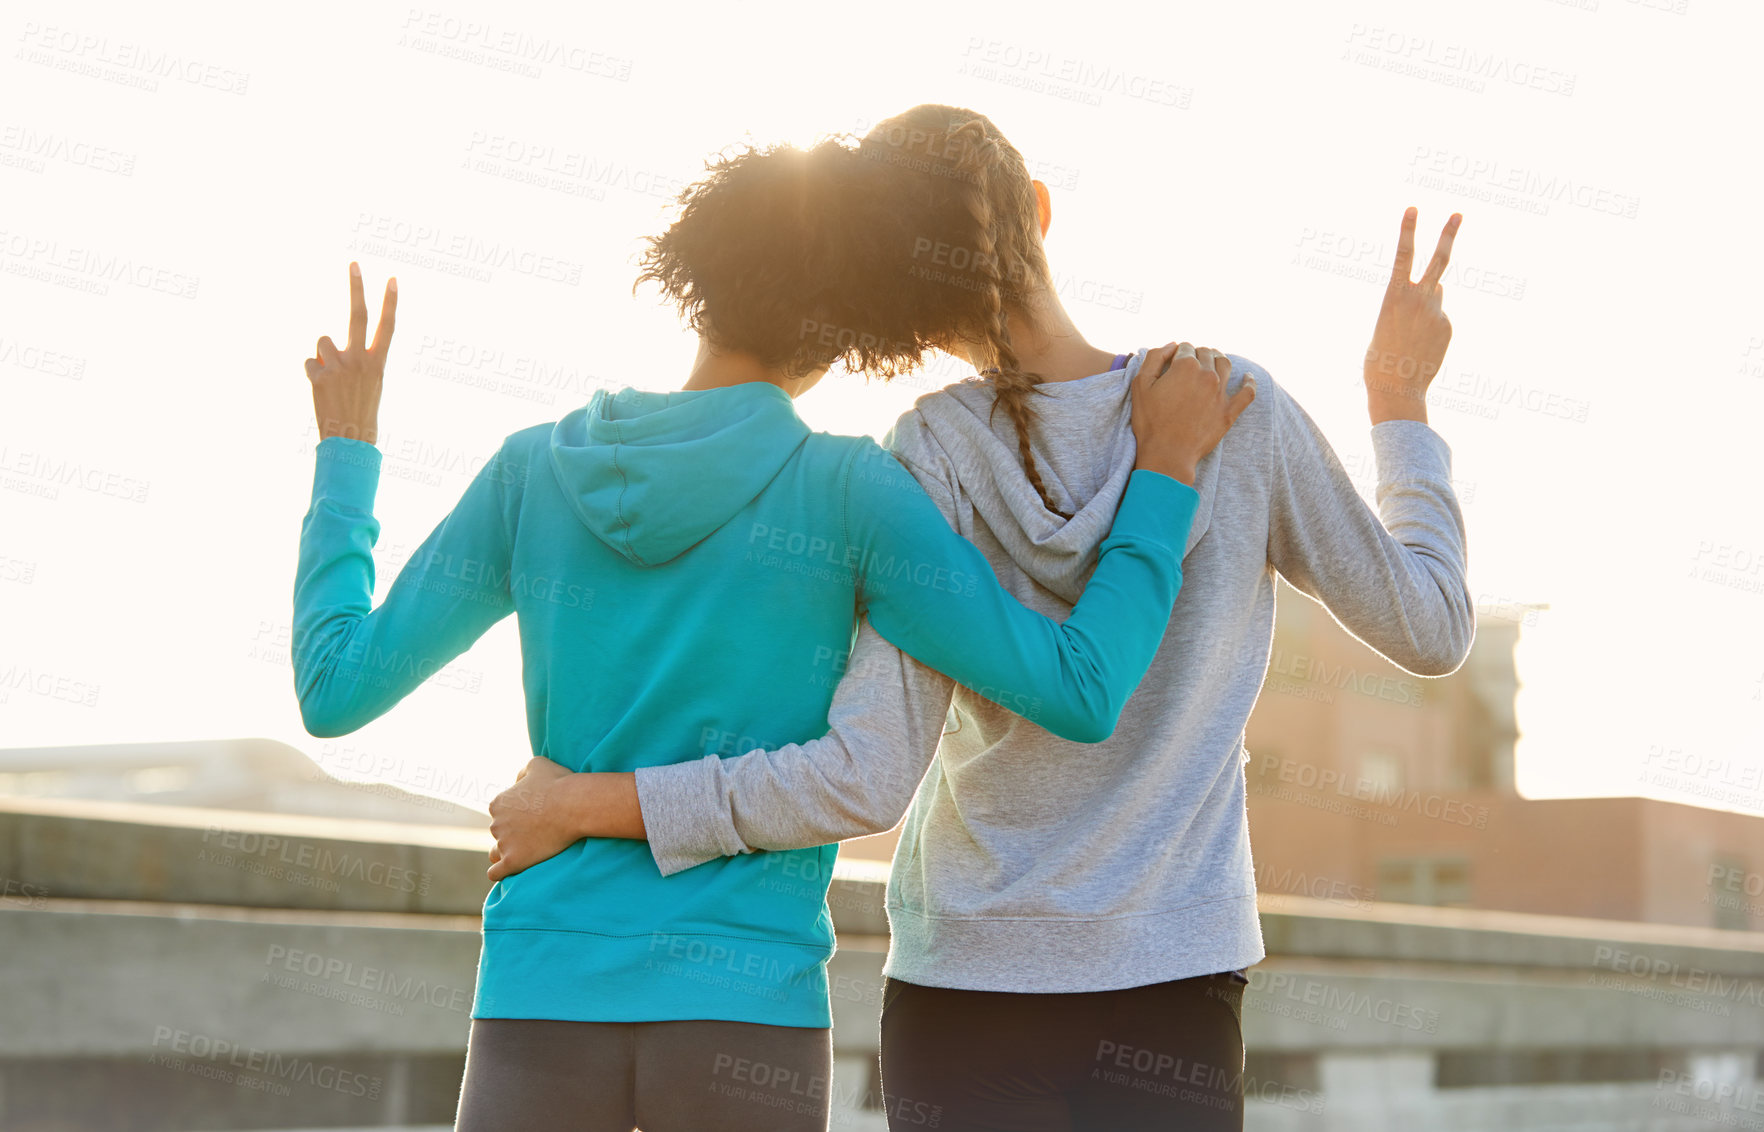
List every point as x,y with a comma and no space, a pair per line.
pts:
1410,339
346,383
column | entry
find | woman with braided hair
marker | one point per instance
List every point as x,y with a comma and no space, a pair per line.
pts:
1069,924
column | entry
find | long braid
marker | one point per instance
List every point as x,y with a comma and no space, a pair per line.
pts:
1012,387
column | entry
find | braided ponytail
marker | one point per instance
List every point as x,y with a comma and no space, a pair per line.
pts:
1012,387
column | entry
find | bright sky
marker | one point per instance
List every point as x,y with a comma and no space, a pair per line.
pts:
183,195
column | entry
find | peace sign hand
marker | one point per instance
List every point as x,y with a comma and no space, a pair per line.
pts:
1409,342
346,384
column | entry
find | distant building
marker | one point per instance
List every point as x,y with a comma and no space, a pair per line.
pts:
1366,783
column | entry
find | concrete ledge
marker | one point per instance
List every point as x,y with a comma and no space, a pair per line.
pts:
124,851
1296,925
301,979
59,848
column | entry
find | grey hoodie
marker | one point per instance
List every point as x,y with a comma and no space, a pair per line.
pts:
1033,864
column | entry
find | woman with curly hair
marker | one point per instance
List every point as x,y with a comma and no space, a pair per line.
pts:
688,570
1069,925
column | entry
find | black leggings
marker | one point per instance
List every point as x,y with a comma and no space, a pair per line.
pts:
539,1076
1165,1056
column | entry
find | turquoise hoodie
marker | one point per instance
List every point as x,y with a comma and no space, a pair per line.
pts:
688,570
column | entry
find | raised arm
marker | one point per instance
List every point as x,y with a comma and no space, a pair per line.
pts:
1395,579
352,662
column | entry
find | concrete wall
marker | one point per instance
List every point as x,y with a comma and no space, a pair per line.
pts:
165,970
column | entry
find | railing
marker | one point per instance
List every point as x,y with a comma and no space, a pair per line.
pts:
204,969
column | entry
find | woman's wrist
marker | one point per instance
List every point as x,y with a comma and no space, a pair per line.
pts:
1151,459
1383,407
368,432
602,804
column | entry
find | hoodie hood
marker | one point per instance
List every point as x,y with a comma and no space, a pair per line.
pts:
1084,448
654,474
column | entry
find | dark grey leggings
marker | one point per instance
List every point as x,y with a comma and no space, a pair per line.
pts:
540,1076
1142,1059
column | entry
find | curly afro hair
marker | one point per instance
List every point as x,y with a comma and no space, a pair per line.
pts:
796,257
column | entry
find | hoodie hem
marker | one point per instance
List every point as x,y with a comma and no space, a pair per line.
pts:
656,977
1052,956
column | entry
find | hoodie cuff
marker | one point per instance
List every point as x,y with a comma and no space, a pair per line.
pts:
684,814
348,473
1156,508
1407,451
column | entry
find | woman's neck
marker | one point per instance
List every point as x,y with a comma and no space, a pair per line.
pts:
1050,345
714,369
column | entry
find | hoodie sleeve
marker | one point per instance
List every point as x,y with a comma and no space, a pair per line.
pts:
887,714
352,663
932,594
1395,579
